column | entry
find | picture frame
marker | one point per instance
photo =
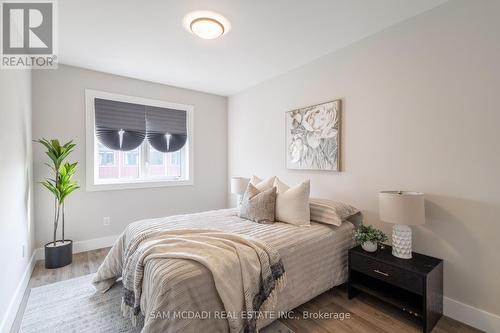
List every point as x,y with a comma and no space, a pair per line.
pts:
313,137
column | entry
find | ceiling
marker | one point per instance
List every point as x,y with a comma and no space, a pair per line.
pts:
146,39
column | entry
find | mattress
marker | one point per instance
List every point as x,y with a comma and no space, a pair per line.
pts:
180,295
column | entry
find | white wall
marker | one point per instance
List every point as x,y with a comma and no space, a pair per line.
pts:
59,112
420,112
16,222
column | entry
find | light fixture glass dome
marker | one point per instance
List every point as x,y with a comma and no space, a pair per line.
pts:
207,28
206,24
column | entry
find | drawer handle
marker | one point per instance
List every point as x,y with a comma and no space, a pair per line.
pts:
380,272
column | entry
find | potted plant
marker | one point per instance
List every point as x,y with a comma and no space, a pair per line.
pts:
369,237
59,252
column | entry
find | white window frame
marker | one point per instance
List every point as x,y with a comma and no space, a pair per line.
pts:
91,153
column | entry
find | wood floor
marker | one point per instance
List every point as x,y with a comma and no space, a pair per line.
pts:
366,313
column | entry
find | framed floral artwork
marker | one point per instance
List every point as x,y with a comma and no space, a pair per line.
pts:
312,137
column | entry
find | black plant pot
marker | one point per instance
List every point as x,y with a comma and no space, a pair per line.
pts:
58,256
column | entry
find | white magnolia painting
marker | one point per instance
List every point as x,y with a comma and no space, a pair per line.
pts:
312,137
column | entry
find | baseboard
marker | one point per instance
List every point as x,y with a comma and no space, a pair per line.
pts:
86,245
10,315
480,319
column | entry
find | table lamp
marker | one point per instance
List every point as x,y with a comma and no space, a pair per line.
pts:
402,209
238,187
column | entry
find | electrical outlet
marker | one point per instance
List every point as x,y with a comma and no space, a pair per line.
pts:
106,220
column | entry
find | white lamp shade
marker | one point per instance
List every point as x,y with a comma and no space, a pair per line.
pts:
401,207
239,185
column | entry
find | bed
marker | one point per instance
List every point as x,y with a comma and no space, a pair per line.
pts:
179,295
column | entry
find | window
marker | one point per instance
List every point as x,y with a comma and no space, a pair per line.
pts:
156,157
135,142
132,158
106,157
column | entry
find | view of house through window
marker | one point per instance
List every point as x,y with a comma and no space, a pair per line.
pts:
106,156
116,165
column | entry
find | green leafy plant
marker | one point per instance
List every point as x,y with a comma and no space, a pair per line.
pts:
62,183
367,233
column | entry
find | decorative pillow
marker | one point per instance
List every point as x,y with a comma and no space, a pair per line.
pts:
262,185
292,203
330,212
258,206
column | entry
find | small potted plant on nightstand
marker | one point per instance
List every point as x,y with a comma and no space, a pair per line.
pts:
369,237
59,252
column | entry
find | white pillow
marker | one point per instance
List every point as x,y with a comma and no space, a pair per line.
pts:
330,212
262,185
292,203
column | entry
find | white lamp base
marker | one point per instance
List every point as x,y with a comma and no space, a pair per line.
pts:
401,241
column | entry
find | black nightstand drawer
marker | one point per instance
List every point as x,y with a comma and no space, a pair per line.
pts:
388,273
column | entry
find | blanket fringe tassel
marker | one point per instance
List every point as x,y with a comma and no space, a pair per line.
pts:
128,312
271,301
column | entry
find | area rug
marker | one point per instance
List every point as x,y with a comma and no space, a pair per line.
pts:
73,306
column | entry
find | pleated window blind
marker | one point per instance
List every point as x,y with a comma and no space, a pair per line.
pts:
124,126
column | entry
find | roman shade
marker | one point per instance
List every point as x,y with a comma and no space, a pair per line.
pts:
166,128
119,125
124,126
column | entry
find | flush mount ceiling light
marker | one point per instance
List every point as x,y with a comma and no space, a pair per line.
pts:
207,28
206,24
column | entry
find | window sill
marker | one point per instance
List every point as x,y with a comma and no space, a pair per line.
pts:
91,187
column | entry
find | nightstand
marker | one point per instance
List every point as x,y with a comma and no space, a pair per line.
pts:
413,285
